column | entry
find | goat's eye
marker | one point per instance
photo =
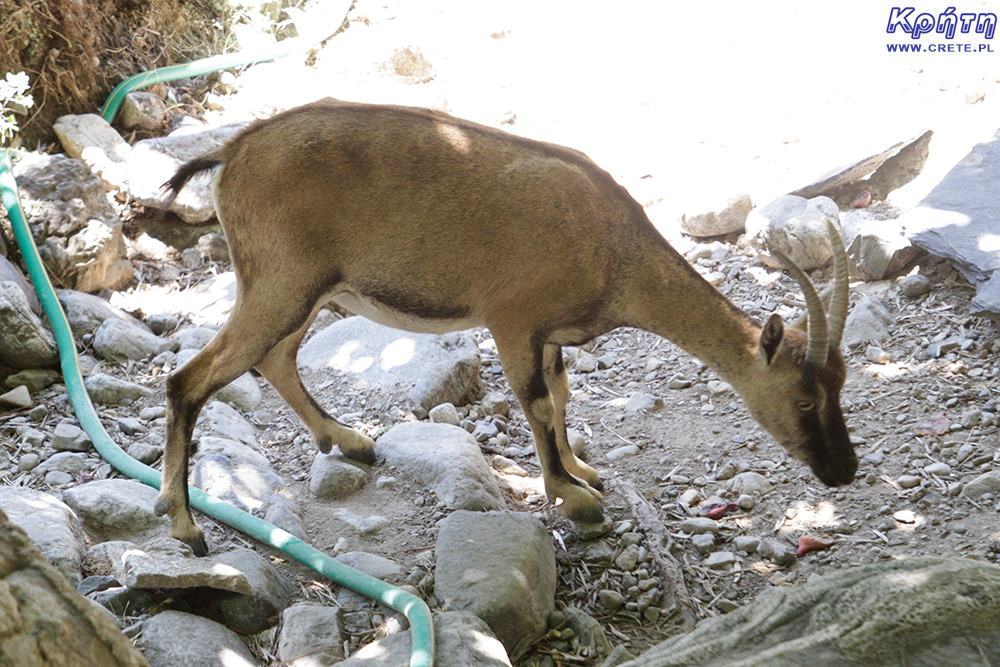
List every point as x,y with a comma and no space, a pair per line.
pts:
805,406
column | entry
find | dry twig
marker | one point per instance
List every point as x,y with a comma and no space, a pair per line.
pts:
660,543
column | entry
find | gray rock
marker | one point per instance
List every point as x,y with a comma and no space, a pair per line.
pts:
697,525
752,483
777,551
396,368
718,218
153,161
868,322
446,413
988,482
91,139
121,340
59,195
223,421
462,640
914,611
445,458
214,246
878,249
115,508
143,110
331,476
642,402
9,272
501,567
50,524
588,633
915,286
365,525
193,338
283,513
372,565
309,636
495,403
109,390
232,449
175,567
270,593
68,437
144,452
78,233
795,226
953,220
57,478
162,323
25,342
720,560
204,643
34,379
235,480
623,452
70,463
243,393
46,621
19,398
747,543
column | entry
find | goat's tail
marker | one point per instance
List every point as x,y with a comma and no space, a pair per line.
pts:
186,172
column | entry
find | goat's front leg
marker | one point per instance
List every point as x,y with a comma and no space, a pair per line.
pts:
522,363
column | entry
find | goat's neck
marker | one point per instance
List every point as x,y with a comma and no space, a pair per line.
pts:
680,305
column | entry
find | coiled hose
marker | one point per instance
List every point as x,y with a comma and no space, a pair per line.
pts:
415,610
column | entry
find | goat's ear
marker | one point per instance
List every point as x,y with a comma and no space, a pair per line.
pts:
771,335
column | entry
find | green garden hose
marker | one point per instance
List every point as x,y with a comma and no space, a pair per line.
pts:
415,610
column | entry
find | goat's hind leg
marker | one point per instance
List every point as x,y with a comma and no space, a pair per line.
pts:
280,368
255,326
522,363
558,384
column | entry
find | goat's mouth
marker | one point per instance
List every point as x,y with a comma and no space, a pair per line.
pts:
836,473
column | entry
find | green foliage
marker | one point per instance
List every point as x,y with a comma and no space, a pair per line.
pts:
14,99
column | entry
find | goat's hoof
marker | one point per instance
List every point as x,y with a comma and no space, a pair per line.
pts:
362,451
195,540
581,503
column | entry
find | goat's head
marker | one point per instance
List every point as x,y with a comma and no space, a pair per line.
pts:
800,375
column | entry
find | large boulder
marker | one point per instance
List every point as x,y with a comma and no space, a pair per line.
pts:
79,235
393,367
45,621
958,220
500,566
796,226
917,611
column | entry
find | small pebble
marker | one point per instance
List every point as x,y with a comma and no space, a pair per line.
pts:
939,469
905,516
908,481
612,600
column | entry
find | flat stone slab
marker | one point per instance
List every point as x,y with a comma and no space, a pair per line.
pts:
410,370
960,221
917,611
447,459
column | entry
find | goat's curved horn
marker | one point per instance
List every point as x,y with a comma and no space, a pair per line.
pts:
837,317
819,345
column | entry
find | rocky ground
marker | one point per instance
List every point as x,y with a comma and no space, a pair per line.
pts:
671,440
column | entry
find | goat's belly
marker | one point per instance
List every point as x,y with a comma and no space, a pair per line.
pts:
415,319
